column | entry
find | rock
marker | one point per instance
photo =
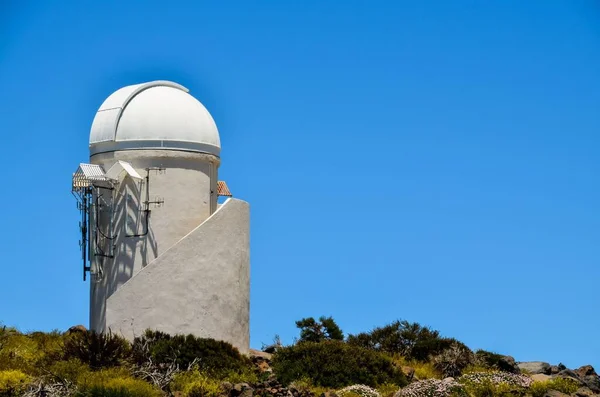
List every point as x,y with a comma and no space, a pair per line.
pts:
535,367
408,371
249,392
508,364
239,388
561,366
271,348
567,373
585,376
586,370
554,369
593,382
588,375
227,386
76,329
260,354
555,393
540,377
584,392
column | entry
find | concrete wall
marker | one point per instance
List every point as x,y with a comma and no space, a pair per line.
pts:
179,277
201,285
186,188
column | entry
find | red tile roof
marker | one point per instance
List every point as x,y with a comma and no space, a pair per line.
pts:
222,189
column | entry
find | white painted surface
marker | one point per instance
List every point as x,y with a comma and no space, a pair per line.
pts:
201,285
188,271
119,167
185,188
153,115
212,256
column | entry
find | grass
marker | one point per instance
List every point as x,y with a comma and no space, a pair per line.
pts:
423,370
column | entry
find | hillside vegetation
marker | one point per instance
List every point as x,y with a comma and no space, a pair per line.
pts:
401,359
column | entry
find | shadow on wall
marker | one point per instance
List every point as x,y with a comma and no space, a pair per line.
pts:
133,236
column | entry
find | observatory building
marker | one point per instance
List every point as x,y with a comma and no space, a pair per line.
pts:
161,251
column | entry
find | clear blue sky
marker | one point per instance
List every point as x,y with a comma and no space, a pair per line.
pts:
435,161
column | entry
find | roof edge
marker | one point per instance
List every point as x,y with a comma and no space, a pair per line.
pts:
186,146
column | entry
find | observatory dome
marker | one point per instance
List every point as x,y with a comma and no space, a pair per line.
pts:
155,115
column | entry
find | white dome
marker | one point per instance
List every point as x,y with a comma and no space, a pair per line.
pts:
154,115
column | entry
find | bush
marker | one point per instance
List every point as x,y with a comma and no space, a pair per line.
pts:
305,388
495,384
216,358
489,389
318,331
538,389
121,387
453,360
431,388
497,378
68,371
495,361
423,370
410,340
358,390
563,385
334,364
98,350
13,383
49,346
387,390
196,384
114,382
17,351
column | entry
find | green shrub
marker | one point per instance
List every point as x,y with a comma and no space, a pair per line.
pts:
423,370
29,353
495,384
538,389
388,390
410,340
13,383
306,388
68,371
121,387
318,331
563,385
196,384
217,358
334,364
494,361
114,382
453,360
98,350
490,389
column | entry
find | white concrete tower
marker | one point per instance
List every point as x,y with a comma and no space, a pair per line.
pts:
163,254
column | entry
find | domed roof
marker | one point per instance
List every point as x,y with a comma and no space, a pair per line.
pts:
154,115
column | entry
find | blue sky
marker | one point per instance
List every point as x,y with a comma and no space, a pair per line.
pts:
433,161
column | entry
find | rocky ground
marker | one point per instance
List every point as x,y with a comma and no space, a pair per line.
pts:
586,377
